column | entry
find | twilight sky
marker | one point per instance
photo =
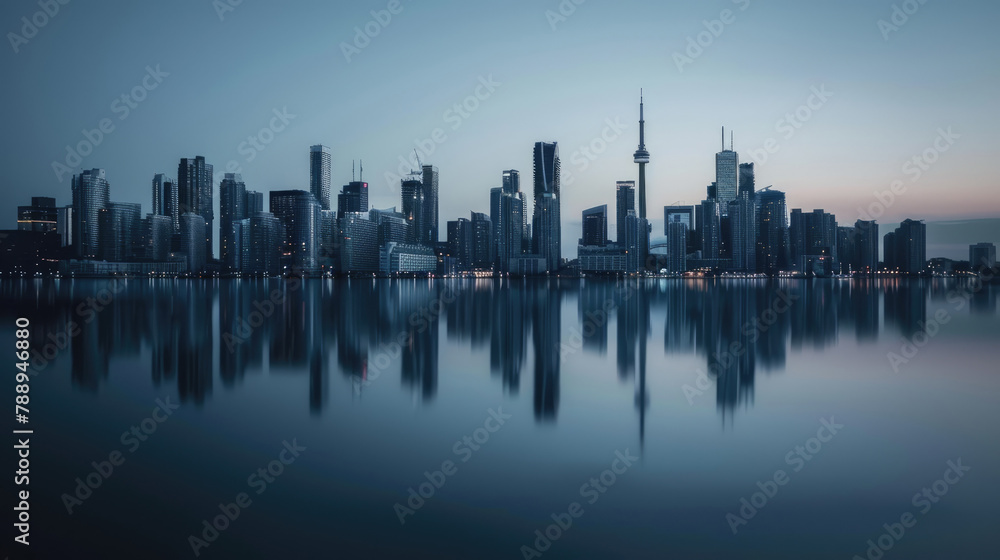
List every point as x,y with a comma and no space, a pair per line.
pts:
570,79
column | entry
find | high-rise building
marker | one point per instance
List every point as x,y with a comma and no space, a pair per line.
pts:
727,163
865,243
709,224
813,241
166,201
412,200
254,203
677,244
507,216
118,227
744,231
890,256
428,232
747,180
772,249
401,258
359,251
911,246
982,255
64,225
392,226
511,181
156,232
193,241
678,214
328,250
299,213
266,239
482,241
546,225
353,198
232,208
319,174
634,230
194,184
42,215
595,226
624,201
846,250
460,242
90,195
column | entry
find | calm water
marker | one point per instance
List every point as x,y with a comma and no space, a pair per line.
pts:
712,386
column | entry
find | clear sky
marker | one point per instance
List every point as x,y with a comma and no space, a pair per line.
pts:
554,77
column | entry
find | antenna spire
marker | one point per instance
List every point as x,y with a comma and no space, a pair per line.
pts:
723,138
361,175
730,140
353,177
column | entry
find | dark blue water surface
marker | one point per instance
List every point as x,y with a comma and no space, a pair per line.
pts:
650,417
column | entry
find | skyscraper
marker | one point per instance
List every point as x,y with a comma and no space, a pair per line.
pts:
744,231
193,241
982,255
359,251
866,247
319,174
90,195
232,208
709,224
353,198
118,226
747,180
266,240
624,201
911,246
507,215
677,232
412,203
428,234
482,241
194,184
255,203
546,225
299,213
165,199
727,164
772,251
813,241
595,226
460,242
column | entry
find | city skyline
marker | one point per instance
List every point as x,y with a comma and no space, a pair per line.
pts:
859,138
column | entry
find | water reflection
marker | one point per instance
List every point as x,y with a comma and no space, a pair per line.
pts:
197,334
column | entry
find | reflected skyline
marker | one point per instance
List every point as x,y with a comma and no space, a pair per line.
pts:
200,337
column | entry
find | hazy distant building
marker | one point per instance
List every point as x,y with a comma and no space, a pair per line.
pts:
677,243
319,174
546,223
865,247
982,255
727,163
194,183
428,232
595,226
624,201
90,195
744,231
813,241
193,241
412,203
232,208
482,241
772,244
267,236
359,251
118,226
166,200
299,213
353,198
254,203
747,181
